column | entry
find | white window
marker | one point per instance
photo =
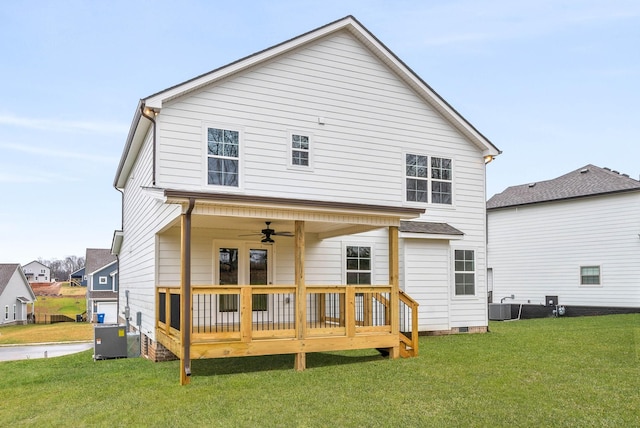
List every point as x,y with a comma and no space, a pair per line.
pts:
14,312
223,157
358,265
589,275
428,179
6,312
102,280
300,150
464,273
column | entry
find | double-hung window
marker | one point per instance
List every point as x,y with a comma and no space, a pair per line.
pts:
429,179
464,272
300,150
223,157
358,265
589,275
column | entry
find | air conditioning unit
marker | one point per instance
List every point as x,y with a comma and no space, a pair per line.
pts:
499,311
109,341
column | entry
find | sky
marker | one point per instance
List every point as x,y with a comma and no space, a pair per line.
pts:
553,84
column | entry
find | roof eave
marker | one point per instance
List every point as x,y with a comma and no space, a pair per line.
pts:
568,198
135,138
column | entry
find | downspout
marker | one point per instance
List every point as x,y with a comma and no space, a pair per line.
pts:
186,297
153,150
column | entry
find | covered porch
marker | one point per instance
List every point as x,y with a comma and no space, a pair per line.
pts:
235,314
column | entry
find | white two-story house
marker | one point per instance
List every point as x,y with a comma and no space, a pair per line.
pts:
566,246
316,195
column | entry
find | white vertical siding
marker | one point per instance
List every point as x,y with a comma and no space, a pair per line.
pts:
537,250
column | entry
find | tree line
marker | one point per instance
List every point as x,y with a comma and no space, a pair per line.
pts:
62,268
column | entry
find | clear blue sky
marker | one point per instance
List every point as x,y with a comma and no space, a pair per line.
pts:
554,84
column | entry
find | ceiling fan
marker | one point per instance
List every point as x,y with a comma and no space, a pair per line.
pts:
267,233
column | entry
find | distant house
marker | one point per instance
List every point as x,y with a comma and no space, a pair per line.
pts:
102,284
78,278
37,272
15,295
571,242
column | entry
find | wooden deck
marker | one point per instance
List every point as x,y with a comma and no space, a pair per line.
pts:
234,321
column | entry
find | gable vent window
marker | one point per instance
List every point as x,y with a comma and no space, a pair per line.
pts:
223,157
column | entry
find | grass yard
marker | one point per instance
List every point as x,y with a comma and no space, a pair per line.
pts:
42,333
70,302
560,372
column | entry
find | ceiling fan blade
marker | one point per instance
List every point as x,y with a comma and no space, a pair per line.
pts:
289,234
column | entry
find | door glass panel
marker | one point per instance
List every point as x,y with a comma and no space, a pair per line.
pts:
258,276
228,274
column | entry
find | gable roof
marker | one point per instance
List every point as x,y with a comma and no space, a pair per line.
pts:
153,103
35,261
6,273
589,180
428,228
97,258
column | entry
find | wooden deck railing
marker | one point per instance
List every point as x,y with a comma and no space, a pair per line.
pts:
408,326
247,314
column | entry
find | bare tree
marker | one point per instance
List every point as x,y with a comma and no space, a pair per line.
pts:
62,269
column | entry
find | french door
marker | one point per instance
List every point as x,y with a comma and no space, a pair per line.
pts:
242,263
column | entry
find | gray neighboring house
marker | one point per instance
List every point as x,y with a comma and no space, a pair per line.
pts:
101,269
569,245
15,295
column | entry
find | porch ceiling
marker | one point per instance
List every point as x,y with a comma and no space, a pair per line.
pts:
325,219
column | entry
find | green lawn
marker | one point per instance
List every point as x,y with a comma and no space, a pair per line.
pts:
564,372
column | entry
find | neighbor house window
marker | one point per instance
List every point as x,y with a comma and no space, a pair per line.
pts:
428,179
590,275
223,157
300,150
102,280
6,312
358,265
464,272
14,312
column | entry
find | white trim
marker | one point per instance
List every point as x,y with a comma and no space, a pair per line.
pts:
452,264
429,180
103,280
599,266
206,125
343,260
290,150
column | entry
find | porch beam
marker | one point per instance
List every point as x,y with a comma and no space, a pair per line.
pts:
185,294
394,281
301,296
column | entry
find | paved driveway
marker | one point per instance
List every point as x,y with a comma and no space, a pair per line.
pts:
47,350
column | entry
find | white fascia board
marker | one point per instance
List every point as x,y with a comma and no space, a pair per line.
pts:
440,236
132,154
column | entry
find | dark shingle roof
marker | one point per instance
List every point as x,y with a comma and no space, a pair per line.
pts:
6,272
589,180
428,227
97,258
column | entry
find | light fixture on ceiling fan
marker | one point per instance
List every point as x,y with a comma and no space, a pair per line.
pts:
267,233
